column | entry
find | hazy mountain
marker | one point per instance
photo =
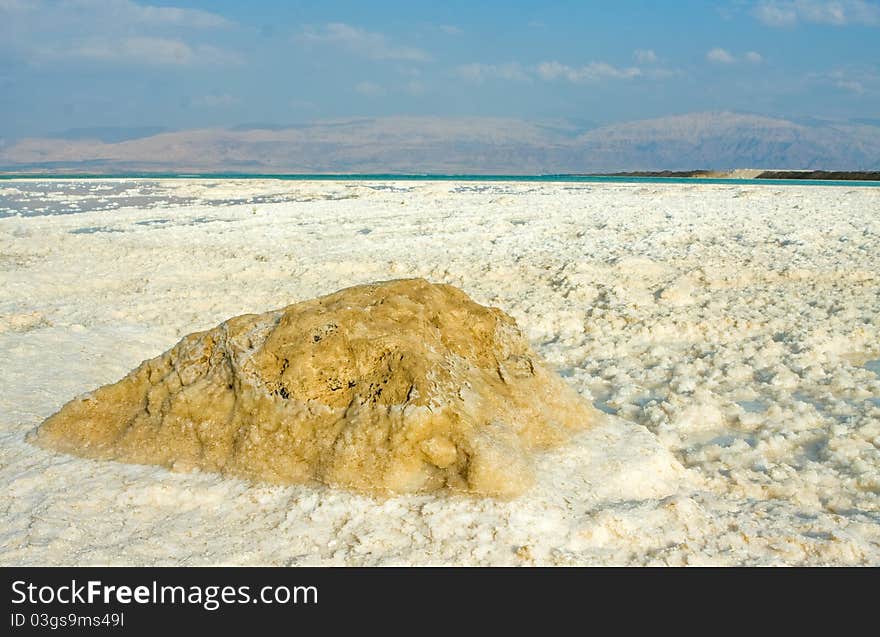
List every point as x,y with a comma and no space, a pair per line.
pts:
109,134
730,140
468,145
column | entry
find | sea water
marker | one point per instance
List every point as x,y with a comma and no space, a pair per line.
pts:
452,177
47,194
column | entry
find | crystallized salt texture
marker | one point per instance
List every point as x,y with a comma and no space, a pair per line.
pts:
401,386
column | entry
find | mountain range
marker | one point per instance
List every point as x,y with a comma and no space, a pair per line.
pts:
714,141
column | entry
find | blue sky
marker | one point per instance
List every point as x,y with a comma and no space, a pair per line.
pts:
102,63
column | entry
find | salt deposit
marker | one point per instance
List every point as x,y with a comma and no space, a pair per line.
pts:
729,332
399,386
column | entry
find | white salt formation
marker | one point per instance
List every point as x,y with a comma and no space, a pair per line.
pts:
400,386
731,332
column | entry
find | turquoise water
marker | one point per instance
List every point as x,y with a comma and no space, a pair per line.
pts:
477,178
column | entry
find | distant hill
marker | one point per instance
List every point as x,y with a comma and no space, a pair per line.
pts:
715,141
108,134
729,140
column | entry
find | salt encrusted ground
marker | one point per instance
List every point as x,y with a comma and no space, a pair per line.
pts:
732,330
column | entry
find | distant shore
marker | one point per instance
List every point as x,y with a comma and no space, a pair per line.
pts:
753,173
739,173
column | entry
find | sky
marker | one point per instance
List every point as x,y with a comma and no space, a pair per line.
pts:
187,64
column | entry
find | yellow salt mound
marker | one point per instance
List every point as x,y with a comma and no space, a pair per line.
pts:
400,386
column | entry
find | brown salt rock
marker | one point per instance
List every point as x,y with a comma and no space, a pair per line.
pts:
399,386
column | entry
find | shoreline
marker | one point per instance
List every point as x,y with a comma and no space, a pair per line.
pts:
753,173
745,176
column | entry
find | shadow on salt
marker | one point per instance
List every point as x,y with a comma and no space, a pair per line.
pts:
753,406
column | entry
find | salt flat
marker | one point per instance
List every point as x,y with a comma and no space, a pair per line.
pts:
730,332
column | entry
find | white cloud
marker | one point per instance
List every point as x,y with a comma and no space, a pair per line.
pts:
720,56
111,31
662,73
775,14
16,5
299,104
856,82
119,13
590,72
786,13
372,89
723,56
553,70
476,72
369,89
645,56
147,51
414,87
845,82
372,45
126,11
223,100
450,29
853,86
